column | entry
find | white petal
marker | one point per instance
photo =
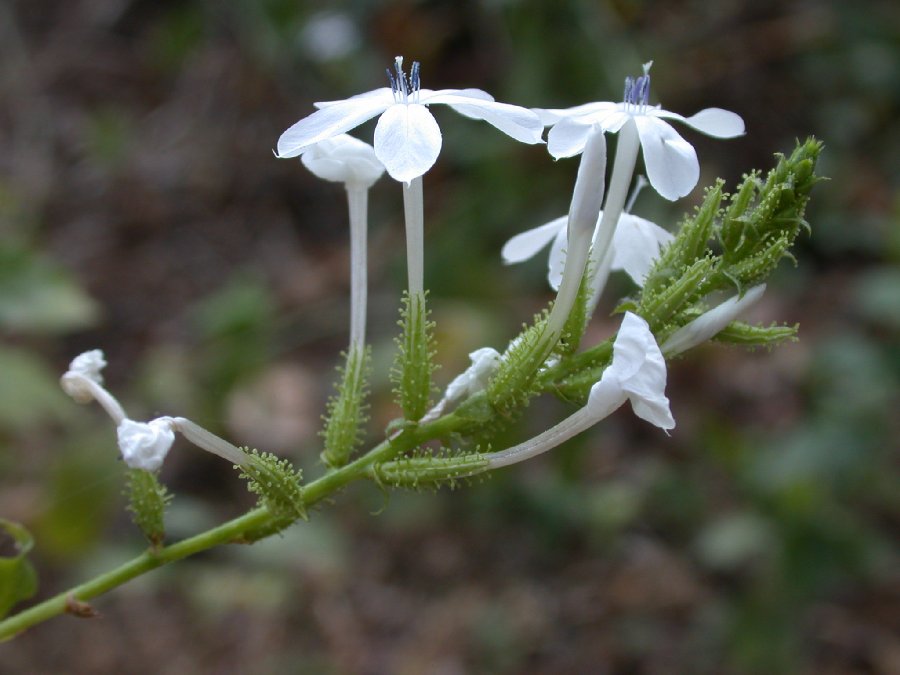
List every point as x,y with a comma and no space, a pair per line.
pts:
144,445
89,364
407,141
639,369
343,159
568,137
527,244
515,121
708,324
382,92
550,116
711,121
637,243
485,362
557,261
425,95
671,162
330,121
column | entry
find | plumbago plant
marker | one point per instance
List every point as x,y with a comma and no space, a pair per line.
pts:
691,285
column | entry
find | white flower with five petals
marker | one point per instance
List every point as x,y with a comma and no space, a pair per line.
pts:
635,247
343,159
407,137
671,161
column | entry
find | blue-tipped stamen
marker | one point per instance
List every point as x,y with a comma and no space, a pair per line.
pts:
401,85
637,89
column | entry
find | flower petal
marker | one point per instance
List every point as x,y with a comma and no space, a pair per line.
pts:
714,122
557,261
637,243
527,244
407,141
144,445
343,159
330,121
382,92
426,95
515,121
568,137
550,116
671,162
639,369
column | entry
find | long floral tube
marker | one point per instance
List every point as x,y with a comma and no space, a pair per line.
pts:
587,198
358,202
637,373
708,324
414,213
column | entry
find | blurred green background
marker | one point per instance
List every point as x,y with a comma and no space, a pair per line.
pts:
141,211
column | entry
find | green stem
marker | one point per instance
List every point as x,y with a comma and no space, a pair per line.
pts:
229,532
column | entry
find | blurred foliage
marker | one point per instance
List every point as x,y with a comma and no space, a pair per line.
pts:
136,177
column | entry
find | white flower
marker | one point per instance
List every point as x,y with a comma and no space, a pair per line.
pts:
473,379
89,364
144,445
485,362
710,323
407,137
638,371
343,159
636,245
637,374
671,161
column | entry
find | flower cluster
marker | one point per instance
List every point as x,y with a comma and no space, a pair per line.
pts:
677,303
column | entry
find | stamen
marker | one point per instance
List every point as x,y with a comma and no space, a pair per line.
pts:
414,83
401,85
637,90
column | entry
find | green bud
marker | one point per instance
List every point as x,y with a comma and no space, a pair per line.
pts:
147,502
278,485
429,471
414,363
346,416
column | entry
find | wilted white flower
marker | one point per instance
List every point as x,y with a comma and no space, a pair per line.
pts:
144,445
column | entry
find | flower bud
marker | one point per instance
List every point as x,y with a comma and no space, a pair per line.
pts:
144,445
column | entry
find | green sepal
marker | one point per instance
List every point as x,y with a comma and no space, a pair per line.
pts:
739,333
514,383
279,487
429,471
147,502
18,580
414,363
346,415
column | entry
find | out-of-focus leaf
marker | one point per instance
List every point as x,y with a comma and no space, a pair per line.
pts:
36,296
29,392
18,580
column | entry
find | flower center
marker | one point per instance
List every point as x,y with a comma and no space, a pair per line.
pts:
637,90
404,87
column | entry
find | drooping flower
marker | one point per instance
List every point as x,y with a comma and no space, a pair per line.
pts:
407,137
343,159
671,161
636,245
637,374
144,445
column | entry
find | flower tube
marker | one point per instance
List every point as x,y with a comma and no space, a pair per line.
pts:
637,374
